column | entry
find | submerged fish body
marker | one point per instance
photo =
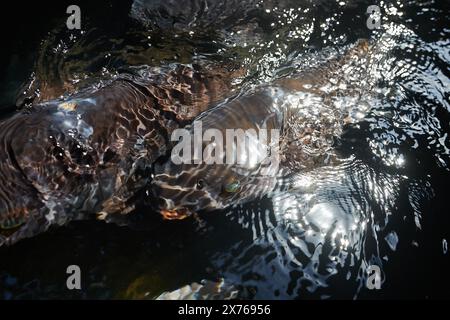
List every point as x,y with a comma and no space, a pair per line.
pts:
65,159
306,110
217,185
92,152
75,157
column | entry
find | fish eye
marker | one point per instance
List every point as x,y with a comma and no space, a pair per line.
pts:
232,187
200,184
9,226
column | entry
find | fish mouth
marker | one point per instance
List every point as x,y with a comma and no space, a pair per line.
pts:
176,214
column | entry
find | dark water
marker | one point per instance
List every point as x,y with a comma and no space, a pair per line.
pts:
384,204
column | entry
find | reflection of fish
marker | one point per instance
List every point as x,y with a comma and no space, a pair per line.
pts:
63,159
309,109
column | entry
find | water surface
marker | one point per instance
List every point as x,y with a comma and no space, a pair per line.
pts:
384,203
